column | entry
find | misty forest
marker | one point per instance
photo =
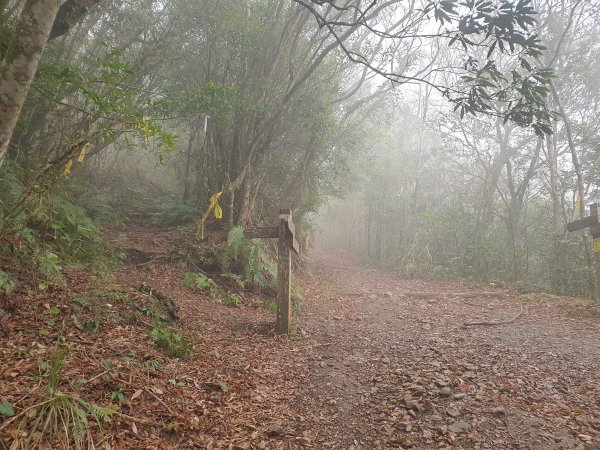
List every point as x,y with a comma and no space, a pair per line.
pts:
300,224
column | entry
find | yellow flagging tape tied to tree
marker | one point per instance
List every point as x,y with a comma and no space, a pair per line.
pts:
83,151
214,203
68,168
80,158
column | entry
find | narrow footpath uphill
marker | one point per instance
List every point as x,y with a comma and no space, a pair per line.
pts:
377,362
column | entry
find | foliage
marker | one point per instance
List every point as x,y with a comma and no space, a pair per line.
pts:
231,300
505,27
248,259
7,409
236,279
101,87
297,299
6,283
174,344
153,364
280,106
271,306
54,229
60,413
200,281
118,396
92,325
432,208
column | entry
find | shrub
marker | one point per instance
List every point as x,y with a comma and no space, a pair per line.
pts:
249,259
6,283
235,279
197,279
200,281
173,343
59,413
297,299
52,227
232,300
272,306
92,325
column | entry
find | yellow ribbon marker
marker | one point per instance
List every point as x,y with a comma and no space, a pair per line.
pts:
214,203
83,151
218,211
68,168
84,148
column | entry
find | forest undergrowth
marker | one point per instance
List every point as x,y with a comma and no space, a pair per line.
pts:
446,146
174,347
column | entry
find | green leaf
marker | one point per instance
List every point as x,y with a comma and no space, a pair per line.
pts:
54,311
107,364
7,409
525,64
6,284
448,6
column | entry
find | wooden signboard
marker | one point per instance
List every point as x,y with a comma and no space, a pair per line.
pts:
586,222
592,222
596,245
285,232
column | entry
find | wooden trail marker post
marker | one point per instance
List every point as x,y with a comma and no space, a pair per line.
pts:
286,234
593,223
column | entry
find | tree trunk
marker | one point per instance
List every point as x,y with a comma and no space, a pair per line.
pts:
245,208
20,62
187,178
587,251
558,268
485,213
369,217
69,15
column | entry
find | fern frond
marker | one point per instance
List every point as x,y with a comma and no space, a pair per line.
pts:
62,413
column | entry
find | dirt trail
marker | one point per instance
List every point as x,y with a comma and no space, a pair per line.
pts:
388,364
378,363
385,363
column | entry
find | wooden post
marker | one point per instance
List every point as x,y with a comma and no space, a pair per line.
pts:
284,268
595,231
592,222
287,242
597,256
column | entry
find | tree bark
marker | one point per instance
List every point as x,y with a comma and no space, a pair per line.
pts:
187,178
20,62
587,251
70,14
516,232
558,268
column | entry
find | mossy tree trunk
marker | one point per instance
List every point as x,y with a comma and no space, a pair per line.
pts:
20,62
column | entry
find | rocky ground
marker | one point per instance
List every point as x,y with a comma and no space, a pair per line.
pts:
376,362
